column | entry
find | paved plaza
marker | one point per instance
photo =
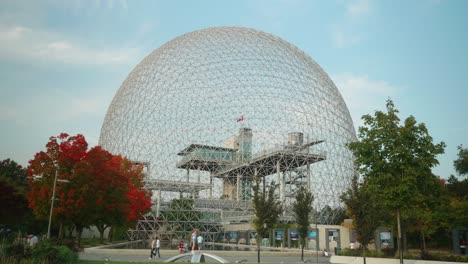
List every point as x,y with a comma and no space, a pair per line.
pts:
141,255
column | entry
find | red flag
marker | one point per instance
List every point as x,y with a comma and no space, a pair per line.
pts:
240,119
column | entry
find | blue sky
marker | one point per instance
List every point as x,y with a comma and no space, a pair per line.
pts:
61,62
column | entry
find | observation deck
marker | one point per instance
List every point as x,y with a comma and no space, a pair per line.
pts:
175,186
283,158
204,157
225,163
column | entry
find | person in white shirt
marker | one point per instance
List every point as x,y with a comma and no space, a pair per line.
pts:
194,240
32,240
153,248
158,246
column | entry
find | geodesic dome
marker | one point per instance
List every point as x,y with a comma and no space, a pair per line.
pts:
211,110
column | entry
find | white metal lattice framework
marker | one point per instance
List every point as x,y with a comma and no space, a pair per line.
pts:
213,108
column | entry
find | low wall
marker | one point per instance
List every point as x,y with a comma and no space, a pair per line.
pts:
359,260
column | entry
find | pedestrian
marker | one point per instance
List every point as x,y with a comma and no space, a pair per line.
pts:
158,247
153,248
199,241
33,240
462,246
181,247
194,240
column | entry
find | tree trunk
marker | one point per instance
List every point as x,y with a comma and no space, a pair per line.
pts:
423,241
101,228
111,234
400,248
79,230
302,252
60,235
70,231
404,237
364,253
258,250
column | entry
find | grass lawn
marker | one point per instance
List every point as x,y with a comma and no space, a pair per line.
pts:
111,262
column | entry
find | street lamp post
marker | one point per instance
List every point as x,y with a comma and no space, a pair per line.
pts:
52,203
53,200
316,238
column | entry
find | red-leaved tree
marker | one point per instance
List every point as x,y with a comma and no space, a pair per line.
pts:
104,189
60,157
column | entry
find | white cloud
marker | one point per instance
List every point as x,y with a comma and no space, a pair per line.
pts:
347,32
279,12
23,43
280,9
358,8
343,38
363,95
57,106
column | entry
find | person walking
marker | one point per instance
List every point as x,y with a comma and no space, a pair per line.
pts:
194,240
158,247
153,248
462,246
199,241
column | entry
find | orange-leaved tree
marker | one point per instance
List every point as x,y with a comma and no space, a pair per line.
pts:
117,186
104,189
59,159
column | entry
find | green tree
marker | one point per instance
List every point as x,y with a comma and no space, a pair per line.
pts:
428,212
366,214
13,187
267,209
457,188
458,191
391,156
183,212
461,164
14,171
302,207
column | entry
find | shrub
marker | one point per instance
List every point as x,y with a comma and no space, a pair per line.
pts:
358,253
374,254
389,252
71,244
51,253
351,252
16,250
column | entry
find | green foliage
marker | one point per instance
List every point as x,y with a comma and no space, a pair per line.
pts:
456,211
461,164
302,207
366,214
14,171
358,253
183,210
430,209
267,209
393,155
51,253
114,262
15,251
13,186
457,188
13,200
396,161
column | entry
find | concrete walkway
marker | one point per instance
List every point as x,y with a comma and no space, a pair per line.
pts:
141,255
359,260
